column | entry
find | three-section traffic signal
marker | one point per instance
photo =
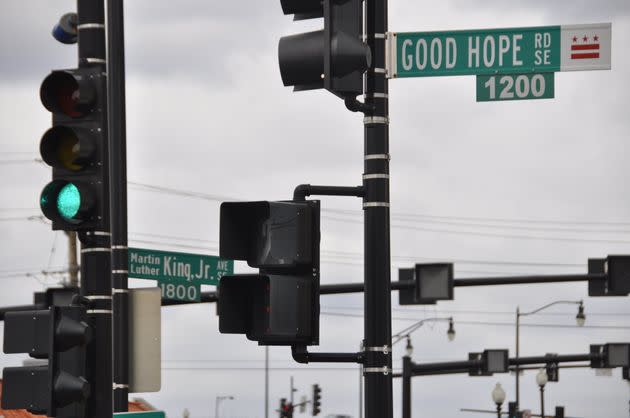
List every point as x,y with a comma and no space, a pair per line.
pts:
59,335
280,305
76,148
334,58
317,399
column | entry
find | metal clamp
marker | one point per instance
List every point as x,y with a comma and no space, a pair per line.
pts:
377,157
118,386
96,60
371,120
99,311
375,205
376,95
385,370
99,233
119,247
120,271
375,36
384,349
118,291
91,26
98,297
96,250
375,176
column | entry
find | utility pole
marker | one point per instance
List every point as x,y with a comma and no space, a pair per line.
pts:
73,265
118,199
377,325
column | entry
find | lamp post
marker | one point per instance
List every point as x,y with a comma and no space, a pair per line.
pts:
498,397
541,380
218,401
580,318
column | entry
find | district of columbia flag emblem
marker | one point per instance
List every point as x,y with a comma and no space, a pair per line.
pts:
585,47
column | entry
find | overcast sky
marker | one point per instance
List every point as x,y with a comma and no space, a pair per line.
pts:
502,188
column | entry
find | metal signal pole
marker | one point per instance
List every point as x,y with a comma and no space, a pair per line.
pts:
378,360
95,245
118,198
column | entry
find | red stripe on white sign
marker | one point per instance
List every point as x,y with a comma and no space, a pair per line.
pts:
584,47
585,56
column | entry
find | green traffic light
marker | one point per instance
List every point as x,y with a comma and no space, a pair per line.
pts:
69,201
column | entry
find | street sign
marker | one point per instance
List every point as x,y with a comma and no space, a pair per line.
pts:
143,414
179,275
175,266
515,87
541,49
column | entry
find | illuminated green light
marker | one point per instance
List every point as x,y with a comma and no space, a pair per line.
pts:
69,201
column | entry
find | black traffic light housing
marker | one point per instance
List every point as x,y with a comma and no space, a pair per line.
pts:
334,58
610,355
286,409
617,271
552,369
280,305
559,412
59,334
492,361
76,149
433,282
317,399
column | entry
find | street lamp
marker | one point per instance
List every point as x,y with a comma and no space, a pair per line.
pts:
405,332
409,347
451,330
498,396
580,318
218,401
541,380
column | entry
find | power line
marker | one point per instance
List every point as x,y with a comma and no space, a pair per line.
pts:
510,324
477,312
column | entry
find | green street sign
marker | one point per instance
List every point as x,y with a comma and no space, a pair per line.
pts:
515,87
143,414
500,51
179,275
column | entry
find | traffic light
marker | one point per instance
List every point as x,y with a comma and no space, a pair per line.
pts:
317,399
286,409
559,412
334,58
617,271
76,149
280,305
552,369
491,361
611,355
59,335
432,282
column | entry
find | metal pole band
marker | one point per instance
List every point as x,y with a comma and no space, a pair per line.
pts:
120,291
99,233
378,70
375,176
96,250
372,120
376,95
96,60
120,271
90,26
376,205
384,349
374,36
117,386
377,157
385,370
98,297
99,311
119,247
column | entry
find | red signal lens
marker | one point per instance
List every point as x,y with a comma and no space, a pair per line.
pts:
63,92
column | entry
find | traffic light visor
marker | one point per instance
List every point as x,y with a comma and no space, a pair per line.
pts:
67,93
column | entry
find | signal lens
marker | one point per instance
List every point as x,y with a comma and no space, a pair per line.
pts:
62,92
69,201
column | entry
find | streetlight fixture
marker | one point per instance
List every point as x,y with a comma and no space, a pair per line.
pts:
405,332
498,397
580,318
409,347
451,330
541,381
218,401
